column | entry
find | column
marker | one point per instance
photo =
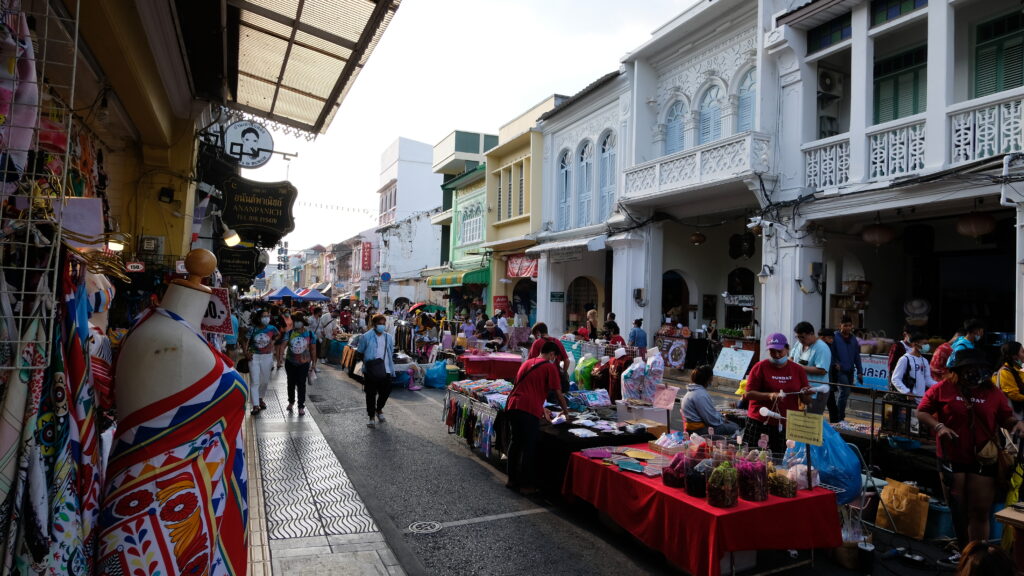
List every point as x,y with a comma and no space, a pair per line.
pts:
1018,275
654,267
550,278
862,61
628,259
940,84
783,303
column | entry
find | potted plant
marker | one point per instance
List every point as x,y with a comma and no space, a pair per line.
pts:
748,331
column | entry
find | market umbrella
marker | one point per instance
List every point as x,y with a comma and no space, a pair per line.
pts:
417,306
313,295
282,293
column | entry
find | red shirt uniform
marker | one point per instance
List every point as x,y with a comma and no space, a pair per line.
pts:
939,360
767,377
539,343
532,386
947,402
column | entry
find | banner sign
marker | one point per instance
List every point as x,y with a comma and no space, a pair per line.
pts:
876,371
501,303
519,266
259,207
367,254
218,316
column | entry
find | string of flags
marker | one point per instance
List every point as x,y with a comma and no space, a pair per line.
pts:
338,207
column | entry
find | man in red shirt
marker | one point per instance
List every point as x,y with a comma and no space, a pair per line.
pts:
540,334
777,384
524,410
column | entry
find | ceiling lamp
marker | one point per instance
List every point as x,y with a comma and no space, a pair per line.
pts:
877,234
975,225
698,238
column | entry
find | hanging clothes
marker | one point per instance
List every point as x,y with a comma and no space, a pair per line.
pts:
176,492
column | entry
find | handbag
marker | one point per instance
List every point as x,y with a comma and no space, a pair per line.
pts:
992,453
375,369
242,366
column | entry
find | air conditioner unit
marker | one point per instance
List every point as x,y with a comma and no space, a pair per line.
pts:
830,83
151,245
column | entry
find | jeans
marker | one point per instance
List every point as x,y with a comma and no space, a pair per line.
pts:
844,394
259,376
297,375
377,393
522,447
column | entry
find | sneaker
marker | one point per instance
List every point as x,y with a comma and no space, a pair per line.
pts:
381,418
290,404
255,410
370,424
950,562
302,411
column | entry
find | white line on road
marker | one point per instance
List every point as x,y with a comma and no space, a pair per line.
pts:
489,518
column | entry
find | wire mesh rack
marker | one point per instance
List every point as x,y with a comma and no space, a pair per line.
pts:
38,48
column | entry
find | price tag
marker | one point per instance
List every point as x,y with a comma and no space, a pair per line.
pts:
218,313
804,427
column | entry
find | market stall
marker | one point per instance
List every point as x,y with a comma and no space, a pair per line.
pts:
687,530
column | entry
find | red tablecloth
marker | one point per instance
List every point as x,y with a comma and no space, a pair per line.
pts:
694,535
497,365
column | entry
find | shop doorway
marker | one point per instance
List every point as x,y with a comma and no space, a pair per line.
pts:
741,282
675,297
524,300
580,297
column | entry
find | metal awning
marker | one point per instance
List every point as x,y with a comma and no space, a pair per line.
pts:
513,243
459,278
297,59
593,244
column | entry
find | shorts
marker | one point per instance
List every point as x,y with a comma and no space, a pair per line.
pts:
986,470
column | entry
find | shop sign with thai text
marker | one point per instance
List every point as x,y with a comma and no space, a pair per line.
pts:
260,207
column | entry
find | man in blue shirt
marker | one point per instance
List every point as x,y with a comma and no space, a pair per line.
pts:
814,356
973,331
637,337
846,361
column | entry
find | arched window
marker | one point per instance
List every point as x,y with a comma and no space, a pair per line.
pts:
674,127
745,111
564,168
585,184
710,116
607,175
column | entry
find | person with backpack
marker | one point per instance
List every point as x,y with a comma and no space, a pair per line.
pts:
524,409
912,374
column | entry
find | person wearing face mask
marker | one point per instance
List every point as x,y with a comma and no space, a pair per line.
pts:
965,412
524,409
1010,376
377,348
912,374
259,348
973,332
300,344
900,348
777,384
846,362
815,357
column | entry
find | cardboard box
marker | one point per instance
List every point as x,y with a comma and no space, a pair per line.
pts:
624,412
655,428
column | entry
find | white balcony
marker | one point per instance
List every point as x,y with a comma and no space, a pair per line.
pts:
719,161
896,148
985,127
827,162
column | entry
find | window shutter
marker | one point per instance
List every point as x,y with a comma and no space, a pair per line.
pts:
746,112
499,196
705,126
885,100
986,70
904,94
1013,63
674,136
922,91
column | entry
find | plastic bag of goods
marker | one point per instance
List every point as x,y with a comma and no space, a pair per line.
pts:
833,462
437,375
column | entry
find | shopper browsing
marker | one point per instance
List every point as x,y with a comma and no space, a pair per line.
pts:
637,336
259,348
777,385
913,375
699,411
540,335
377,347
525,408
814,355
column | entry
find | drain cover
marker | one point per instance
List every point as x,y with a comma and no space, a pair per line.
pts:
424,527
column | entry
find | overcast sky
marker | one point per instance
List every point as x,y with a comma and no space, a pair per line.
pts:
444,65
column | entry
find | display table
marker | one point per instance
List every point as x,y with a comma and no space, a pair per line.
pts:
556,445
694,535
492,366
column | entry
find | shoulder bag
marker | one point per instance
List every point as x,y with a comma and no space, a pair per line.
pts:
992,453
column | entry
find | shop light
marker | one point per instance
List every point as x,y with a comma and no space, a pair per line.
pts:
115,245
765,274
975,225
698,238
231,237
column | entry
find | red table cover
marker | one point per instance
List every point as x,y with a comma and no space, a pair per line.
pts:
694,535
497,365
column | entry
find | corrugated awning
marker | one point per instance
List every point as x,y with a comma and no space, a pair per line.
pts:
459,278
297,59
593,244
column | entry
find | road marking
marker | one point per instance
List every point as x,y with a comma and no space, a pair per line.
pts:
417,527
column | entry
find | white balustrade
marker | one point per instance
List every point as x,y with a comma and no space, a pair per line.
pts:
987,130
827,163
896,150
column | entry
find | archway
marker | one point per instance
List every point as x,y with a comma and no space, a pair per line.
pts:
524,300
580,297
740,282
675,297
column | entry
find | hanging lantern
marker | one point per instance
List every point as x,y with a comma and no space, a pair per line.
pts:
878,234
975,225
698,238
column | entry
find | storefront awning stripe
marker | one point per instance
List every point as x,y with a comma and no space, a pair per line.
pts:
459,278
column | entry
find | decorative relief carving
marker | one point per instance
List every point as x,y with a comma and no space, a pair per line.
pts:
987,131
721,58
589,127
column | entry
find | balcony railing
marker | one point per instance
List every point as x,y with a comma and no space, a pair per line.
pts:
896,148
989,129
746,152
827,162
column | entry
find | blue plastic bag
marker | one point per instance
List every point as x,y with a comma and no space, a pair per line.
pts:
437,375
836,463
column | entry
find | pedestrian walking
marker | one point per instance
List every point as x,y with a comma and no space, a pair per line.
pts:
524,409
941,357
300,343
912,374
377,347
847,363
259,348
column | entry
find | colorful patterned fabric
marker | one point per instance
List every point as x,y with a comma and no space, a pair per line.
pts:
299,346
176,493
262,339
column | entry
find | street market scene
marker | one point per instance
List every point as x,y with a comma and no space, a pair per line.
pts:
446,287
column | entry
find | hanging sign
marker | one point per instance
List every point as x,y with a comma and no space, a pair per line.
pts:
520,266
239,262
217,319
367,255
738,300
135,266
248,142
263,208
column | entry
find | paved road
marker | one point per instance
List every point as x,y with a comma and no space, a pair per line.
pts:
411,470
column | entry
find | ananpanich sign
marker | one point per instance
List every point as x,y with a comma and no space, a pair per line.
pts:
259,208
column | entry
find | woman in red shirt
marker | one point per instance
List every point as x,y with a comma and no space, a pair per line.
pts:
777,384
965,411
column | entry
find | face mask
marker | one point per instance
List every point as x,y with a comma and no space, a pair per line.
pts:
926,348
298,325
379,328
265,320
779,361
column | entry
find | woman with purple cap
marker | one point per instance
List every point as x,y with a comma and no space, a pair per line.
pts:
774,386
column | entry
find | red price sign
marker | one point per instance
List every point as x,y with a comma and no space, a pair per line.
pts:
218,313
501,303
